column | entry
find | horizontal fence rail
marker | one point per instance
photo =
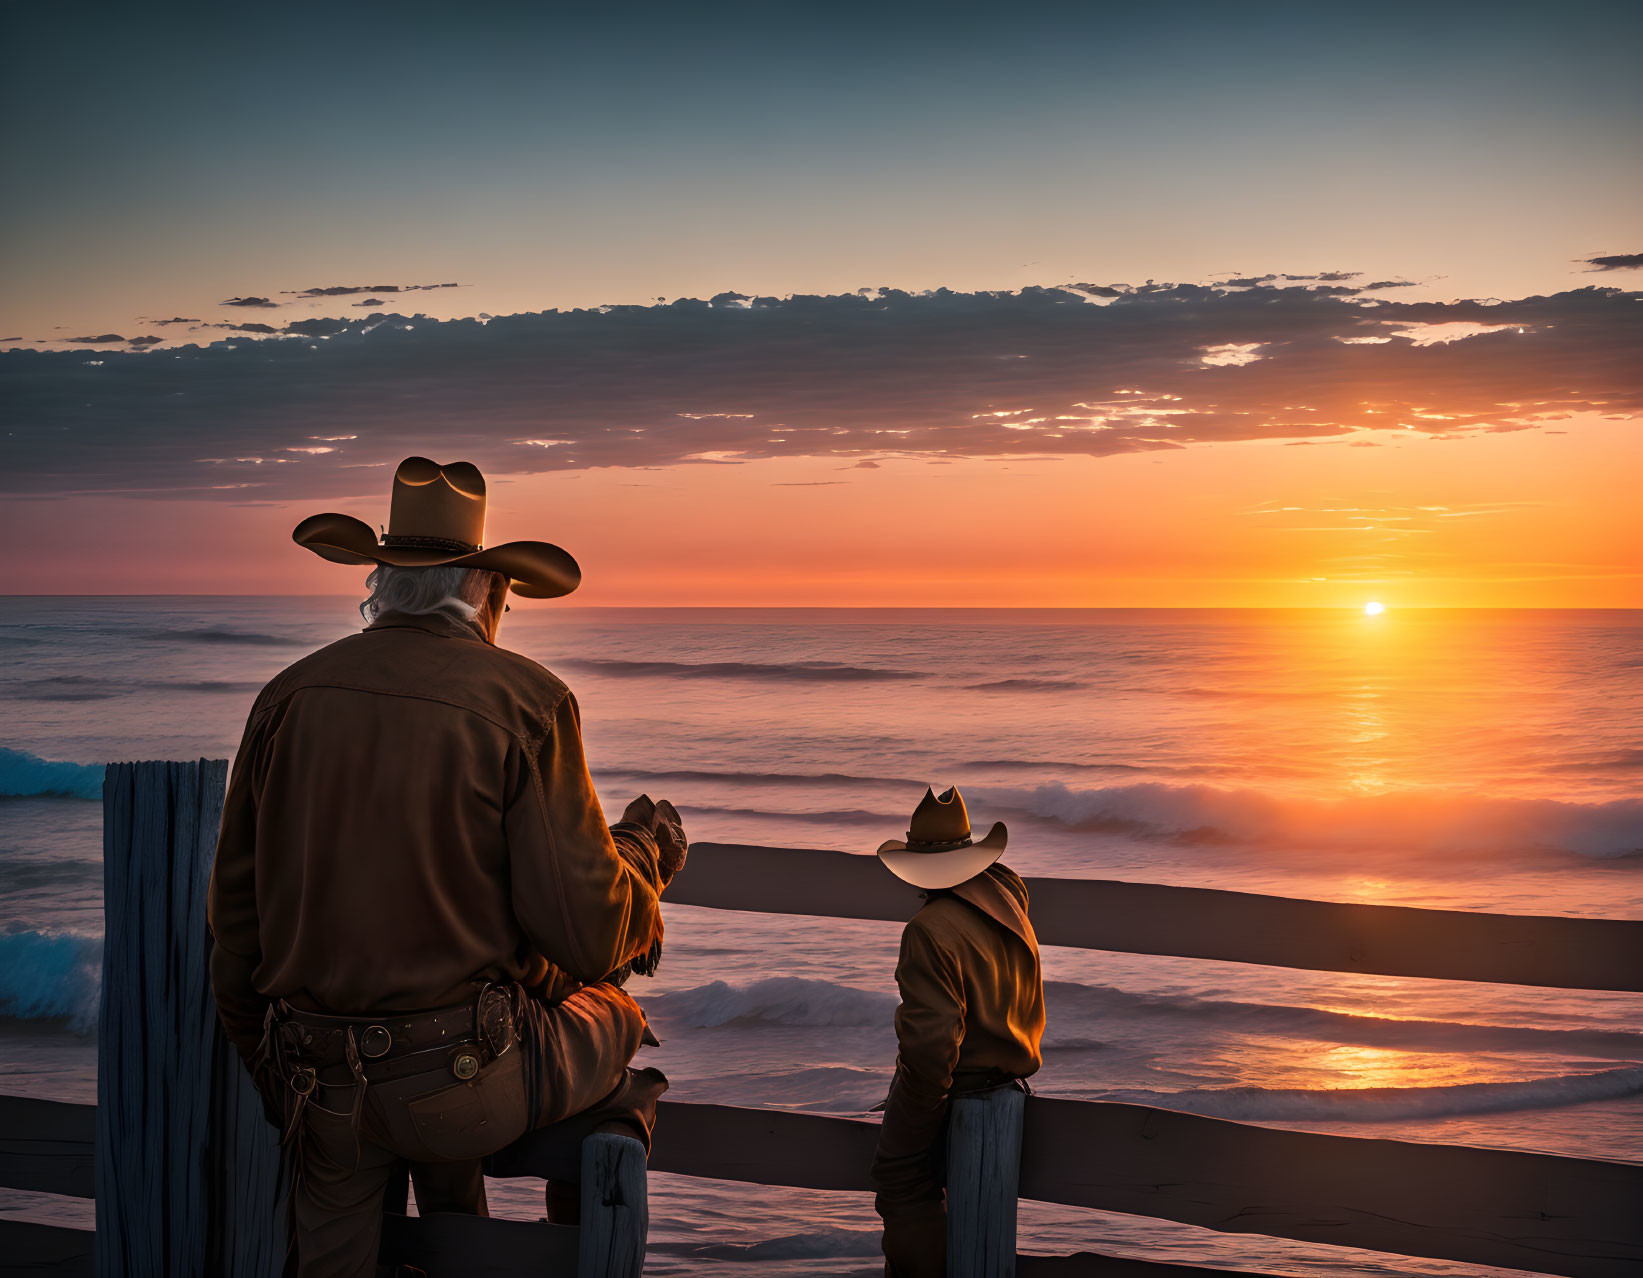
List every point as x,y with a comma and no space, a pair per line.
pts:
46,1146
1540,1212
1543,1213
1205,923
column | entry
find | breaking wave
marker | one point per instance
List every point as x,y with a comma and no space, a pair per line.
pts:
51,976
1390,1104
1411,821
25,775
1074,1009
827,1243
776,1000
1074,1005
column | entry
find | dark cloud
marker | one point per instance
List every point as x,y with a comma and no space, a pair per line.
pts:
1616,262
297,328
1388,284
1098,290
148,340
319,327
938,376
102,339
352,290
260,302
370,301
175,319
1325,277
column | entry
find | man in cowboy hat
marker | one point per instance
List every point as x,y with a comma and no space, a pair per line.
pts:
971,1016
422,920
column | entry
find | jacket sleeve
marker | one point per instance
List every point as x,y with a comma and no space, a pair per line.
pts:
929,1030
231,905
586,894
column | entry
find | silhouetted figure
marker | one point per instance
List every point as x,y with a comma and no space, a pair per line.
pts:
422,920
971,1017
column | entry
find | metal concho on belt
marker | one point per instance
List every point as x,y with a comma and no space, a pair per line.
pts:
375,1042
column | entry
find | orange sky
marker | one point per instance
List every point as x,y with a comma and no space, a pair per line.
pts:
1519,519
1033,305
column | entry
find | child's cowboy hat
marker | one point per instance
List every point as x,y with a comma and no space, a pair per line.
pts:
938,851
437,516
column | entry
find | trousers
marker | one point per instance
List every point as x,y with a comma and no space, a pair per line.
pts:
350,1147
910,1170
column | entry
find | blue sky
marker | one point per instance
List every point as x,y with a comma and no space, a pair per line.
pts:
165,158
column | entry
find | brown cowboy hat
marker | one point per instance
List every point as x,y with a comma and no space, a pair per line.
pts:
938,851
437,516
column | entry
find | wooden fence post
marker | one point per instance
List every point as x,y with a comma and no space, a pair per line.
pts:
187,1169
983,1168
615,1208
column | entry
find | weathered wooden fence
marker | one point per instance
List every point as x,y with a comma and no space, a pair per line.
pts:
1569,1216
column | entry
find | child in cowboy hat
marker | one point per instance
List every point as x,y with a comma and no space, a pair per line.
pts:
971,1016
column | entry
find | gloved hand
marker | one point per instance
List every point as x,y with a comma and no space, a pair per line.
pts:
663,821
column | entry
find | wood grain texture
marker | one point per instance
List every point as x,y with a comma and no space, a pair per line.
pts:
47,1146
615,1208
983,1171
31,1250
1238,927
186,1167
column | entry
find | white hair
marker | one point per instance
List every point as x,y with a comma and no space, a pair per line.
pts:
451,588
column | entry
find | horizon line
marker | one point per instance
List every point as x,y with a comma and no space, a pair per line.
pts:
583,607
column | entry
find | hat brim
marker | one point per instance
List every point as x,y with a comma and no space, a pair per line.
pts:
535,569
933,870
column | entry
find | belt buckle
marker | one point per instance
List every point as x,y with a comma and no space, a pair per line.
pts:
375,1042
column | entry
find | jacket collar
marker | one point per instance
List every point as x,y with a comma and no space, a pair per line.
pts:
444,624
999,893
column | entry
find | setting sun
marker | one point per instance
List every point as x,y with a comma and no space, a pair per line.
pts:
1373,609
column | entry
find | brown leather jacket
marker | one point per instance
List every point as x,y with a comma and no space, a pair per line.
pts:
971,1014
410,813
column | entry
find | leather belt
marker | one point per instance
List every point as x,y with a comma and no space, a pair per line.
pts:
325,1037
461,1040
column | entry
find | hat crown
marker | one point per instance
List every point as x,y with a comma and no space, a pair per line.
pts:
438,507
939,819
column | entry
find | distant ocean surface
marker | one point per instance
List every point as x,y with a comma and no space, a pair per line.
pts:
1477,760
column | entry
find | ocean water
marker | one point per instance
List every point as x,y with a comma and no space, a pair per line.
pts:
1476,760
